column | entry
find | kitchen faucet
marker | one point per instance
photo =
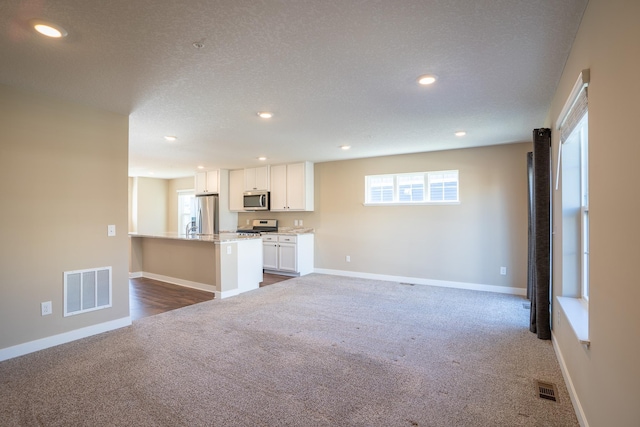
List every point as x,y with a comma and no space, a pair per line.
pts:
191,228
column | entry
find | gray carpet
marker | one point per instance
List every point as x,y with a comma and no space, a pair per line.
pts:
311,351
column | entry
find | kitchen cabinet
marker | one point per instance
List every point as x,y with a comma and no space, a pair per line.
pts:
292,187
207,182
288,254
256,178
236,190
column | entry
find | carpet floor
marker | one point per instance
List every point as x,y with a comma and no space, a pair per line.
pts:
311,351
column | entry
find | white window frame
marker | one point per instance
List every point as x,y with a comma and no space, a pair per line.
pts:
428,178
575,304
583,128
182,225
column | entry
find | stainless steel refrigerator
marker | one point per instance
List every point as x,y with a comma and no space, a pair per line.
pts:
206,214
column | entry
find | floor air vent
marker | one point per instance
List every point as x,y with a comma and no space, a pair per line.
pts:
87,290
546,391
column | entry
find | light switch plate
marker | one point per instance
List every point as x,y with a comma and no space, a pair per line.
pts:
228,250
111,230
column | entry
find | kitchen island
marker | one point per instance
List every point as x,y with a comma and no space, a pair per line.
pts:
226,263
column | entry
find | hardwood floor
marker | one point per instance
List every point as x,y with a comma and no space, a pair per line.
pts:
148,297
270,279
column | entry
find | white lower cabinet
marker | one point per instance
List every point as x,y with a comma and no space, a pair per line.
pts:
288,254
270,252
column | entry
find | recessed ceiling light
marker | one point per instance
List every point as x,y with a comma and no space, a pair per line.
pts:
170,138
262,158
265,114
426,79
345,147
460,133
200,167
49,29
150,173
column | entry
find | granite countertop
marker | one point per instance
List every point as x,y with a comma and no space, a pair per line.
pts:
215,238
292,231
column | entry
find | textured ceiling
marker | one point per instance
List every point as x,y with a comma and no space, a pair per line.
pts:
333,72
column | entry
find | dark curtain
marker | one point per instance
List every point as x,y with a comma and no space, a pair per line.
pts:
540,224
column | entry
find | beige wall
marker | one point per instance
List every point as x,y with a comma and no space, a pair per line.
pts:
149,206
183,259
606,376
132,225
467,242
149,201
63,179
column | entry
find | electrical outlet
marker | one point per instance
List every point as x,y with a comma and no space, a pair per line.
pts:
347,258
300,223
229,250
503,271
247,222
295,222
111,230
46,308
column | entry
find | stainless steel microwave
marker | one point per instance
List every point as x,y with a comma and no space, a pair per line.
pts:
256,201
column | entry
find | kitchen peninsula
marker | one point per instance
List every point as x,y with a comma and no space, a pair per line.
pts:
226,263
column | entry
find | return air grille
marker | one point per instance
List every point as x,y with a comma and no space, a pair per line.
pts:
87,290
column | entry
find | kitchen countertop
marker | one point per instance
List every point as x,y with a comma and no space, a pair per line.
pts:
292,231
215,238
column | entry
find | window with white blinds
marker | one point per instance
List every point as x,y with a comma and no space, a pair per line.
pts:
412,188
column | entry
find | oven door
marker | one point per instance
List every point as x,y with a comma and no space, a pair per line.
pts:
256,201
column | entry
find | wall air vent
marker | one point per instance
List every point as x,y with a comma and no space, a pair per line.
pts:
87,290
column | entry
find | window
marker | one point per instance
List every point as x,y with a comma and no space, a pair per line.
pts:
443,186
580,138
412,188
185,203
574,138
573,161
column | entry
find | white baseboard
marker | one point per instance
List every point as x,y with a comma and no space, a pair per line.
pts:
577,407
54,340
176,281
135,275
227,294
421,281
187,283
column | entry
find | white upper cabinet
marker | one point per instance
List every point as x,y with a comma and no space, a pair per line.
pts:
207,182
256,178
292,187
236,190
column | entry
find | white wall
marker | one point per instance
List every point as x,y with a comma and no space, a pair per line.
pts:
606,377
